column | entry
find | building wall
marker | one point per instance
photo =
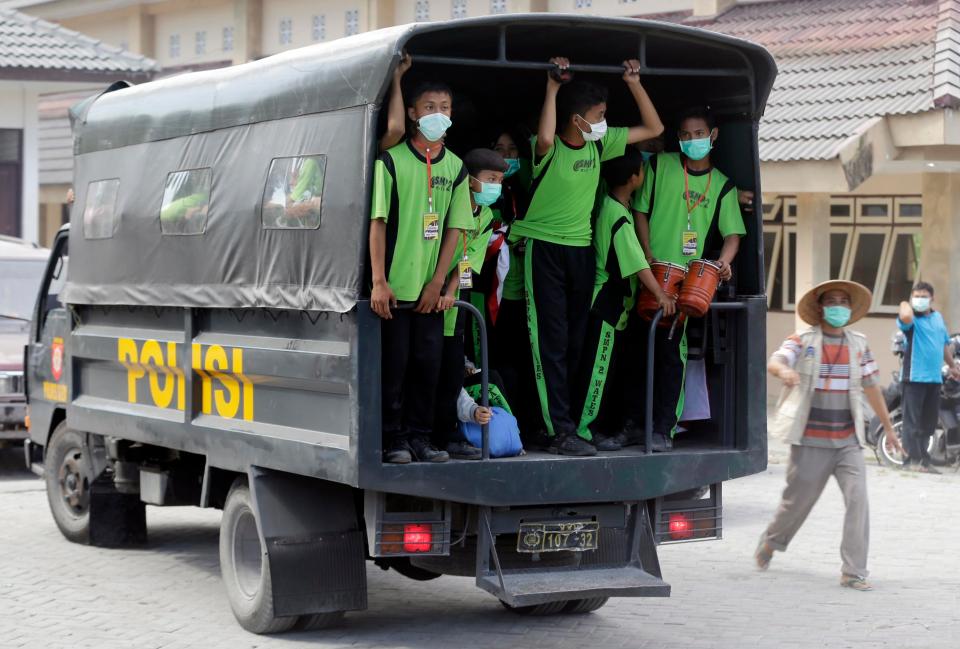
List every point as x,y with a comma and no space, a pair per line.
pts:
185,27
111,29
618,7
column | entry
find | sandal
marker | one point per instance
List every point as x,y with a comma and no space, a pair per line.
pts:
856,583
763,555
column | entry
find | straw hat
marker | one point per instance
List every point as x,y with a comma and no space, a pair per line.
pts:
808,308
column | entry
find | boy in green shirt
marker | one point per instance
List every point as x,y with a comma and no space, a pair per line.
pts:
571,142
683,209
420,205
620,267
485,169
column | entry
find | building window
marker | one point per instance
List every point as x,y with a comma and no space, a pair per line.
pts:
286,31
582,4
292,197
186,200
200,44
421,12
498,6
174,46
228,39
902,268
318,29
458,9
352,22
100,209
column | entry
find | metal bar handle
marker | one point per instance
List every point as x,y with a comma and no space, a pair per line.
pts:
648,414
484,375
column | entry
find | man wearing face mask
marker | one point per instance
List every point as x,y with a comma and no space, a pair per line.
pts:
419,209
555,233
928,345
826,371
486,170
684,206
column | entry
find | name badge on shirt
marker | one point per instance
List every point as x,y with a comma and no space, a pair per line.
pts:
431,226
466,274
688,243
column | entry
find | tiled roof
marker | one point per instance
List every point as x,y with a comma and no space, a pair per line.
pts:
844,62
34,48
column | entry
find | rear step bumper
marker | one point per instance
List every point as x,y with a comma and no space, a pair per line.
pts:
528,588
624,565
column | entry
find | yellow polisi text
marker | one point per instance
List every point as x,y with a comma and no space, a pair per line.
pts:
224,389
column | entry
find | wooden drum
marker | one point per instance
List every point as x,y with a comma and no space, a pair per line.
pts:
670,276
699,287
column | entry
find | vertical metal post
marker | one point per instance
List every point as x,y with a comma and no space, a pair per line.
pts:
484,373
502,44
648,414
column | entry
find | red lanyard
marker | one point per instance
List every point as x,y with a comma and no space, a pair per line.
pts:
686,188
429,181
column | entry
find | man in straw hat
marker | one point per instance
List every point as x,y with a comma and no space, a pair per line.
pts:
825,371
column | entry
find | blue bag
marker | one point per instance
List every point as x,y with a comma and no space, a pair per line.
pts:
504,434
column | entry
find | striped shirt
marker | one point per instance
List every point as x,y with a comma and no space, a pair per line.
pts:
830,424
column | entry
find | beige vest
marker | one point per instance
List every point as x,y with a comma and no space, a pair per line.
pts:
793,408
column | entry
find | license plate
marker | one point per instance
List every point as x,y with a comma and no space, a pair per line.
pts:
575,536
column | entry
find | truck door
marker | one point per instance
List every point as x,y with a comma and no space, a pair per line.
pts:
47,370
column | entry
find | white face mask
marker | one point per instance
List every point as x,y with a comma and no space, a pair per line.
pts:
920,304
597,131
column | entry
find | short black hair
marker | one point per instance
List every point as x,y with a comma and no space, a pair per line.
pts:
923,286
697,112
619,171
576,98
478,160
424,87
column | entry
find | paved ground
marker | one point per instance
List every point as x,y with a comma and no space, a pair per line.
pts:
54,594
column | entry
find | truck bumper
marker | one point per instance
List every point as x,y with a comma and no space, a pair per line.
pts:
12,418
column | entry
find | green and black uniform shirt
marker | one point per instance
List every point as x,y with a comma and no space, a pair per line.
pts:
563,190
400,198
663,199
619,259
476,240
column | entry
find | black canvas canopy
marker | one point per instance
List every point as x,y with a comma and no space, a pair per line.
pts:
324,101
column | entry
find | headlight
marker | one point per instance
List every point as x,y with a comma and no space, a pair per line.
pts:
11,383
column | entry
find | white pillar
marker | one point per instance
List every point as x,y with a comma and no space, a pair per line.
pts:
939,261
812,264
30,172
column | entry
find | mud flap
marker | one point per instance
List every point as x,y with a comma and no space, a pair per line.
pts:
116,520
625,565
313,541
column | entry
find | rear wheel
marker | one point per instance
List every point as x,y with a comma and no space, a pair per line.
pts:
69,475
889,455
244,568
538,610
589,605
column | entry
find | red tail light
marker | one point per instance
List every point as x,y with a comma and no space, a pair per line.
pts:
417,538
680,527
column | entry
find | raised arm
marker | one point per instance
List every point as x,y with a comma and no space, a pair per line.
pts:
906,313
651,125
547,129
396,117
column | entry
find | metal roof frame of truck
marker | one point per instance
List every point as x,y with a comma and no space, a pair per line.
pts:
237,283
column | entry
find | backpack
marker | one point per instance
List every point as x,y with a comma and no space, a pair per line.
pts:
504,434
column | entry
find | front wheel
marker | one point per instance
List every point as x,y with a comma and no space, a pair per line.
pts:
69,476
891,458
244,566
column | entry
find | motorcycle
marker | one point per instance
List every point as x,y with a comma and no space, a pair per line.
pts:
944,444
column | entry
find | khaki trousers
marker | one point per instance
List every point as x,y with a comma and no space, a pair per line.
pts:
809,470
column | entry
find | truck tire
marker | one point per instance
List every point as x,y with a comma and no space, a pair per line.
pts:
537,610
69,476
579,606
243,565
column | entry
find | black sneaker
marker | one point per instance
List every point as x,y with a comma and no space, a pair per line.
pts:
398,453
539,441
606,443
662,442
464,451
632,434
424,451
572,445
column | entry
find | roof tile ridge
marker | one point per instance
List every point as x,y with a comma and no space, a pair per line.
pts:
946,57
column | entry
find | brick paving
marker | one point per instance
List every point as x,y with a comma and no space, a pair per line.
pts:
56,594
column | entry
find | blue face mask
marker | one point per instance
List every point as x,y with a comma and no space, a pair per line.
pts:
836,316
920,304
696,149
646,155
513,166
434,126
488,194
